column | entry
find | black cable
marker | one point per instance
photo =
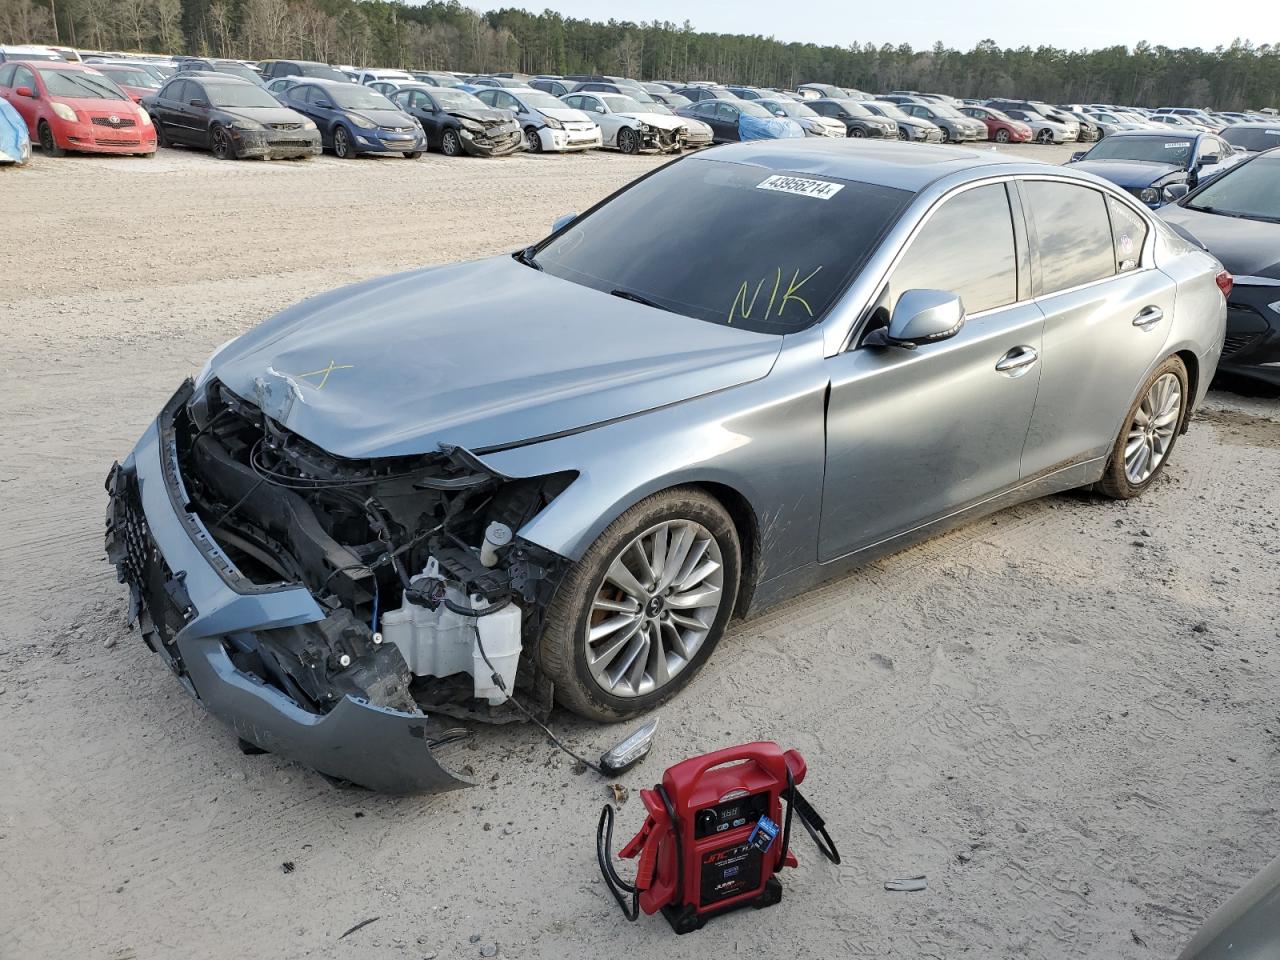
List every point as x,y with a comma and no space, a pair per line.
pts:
462,611
604,856
812,822
501,685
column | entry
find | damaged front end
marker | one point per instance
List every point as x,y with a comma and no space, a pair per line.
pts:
334,611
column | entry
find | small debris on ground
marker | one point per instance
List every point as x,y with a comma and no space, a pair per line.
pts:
1133,935
619,793
362,924
489,950
288,866
906,884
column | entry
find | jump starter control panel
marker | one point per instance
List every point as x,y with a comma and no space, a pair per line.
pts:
730,814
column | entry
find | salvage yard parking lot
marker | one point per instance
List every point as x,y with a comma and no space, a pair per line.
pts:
1066,715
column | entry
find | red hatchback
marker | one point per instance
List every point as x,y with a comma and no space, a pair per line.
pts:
70,106
1001,127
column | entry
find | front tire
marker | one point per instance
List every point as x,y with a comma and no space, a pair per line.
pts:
48,145
635,619
450,145
903,135
343,148
628,141
857,132
1002,136
1044,136
1151,429
220,144
532,141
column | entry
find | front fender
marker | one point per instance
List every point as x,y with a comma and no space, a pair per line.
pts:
765,440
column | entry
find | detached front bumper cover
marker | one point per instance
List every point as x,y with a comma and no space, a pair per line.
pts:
191,604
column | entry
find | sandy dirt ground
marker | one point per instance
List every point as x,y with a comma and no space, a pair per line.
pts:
1065,715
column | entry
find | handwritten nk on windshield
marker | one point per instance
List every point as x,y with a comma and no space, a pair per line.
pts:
744,306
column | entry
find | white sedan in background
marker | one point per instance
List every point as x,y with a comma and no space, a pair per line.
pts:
628,125
548,123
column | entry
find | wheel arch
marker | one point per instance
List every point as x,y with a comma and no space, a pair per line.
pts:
747,525
1192,363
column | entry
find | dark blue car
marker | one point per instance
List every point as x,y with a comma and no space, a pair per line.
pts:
354,119
1157,166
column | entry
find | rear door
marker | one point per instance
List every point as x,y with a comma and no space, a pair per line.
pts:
1107,311
914,436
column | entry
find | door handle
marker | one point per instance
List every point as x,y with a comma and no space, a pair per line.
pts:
1017,361
1148,316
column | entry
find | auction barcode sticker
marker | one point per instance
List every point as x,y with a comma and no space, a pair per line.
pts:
805,188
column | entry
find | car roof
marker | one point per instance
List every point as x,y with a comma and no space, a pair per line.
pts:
1256,125
213,75
893,164
1162,134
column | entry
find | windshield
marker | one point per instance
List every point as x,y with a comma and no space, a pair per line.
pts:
353,96
1250,190
621,104
1252,138
132,77
542,101
854,108
78,83
1158,149
25,55
763,250
945,110
162,71
236,70
788,107
676,100
451,99
231,94
752,108
887,109
320,72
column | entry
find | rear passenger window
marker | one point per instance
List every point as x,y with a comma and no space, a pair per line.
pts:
1073,233
966,247
1129,232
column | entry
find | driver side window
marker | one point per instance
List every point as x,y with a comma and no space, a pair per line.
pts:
22,77
967,248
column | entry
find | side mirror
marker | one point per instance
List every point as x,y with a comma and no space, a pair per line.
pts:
1078,155
920,317
1176,191
324,104
1209,160
198,102
559,223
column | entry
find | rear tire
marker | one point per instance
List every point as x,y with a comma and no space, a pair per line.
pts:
48,145
161,139
1150,431
650,632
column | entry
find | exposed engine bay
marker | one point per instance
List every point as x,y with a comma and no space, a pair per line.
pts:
427,591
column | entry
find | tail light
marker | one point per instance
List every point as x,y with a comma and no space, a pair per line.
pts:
1225,282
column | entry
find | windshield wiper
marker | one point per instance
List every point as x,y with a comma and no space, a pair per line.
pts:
635,298
525,256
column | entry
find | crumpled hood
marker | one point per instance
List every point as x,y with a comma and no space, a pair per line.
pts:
1131,174
265,114
660,120
1247,248
480,354
482,115
566,113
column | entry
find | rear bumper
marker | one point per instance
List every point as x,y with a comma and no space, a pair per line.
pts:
194,608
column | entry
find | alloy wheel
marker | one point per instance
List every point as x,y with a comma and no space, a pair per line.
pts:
532,140
1002,136
903,135
1152,430
654,608
341,143
857,132
627,140
1044,136
450,146
221,144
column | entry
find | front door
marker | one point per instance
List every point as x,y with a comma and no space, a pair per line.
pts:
916,435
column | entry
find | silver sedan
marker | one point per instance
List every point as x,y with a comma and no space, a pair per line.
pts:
557,475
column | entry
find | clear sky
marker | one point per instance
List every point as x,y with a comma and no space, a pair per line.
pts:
1074,24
